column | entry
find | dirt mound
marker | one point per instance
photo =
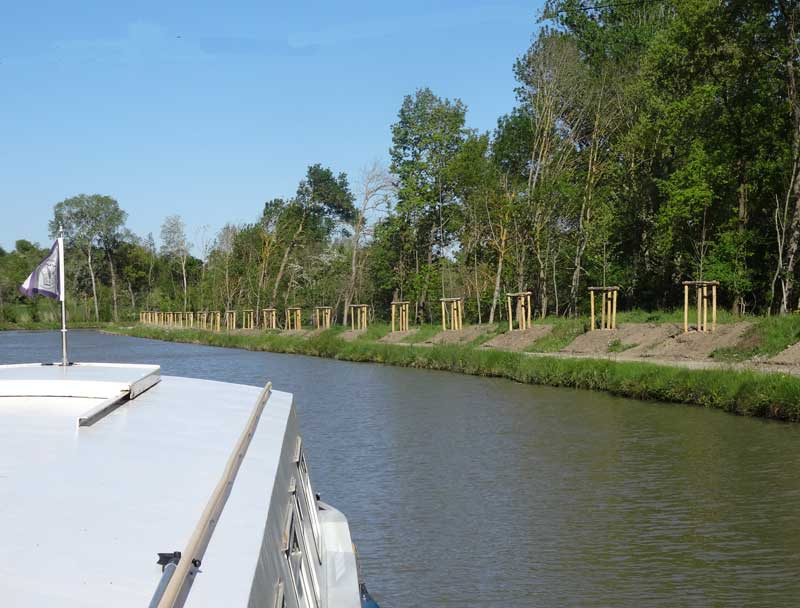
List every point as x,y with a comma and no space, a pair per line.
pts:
397,336
790,356
634,339
696,345
295,332
462,336
350,335
518,340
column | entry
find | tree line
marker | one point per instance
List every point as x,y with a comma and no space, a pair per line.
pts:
651,142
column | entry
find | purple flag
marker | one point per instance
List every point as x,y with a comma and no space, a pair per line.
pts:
45,279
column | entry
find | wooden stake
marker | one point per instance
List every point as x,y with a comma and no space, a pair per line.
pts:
528,309
685,309
713,308
614,318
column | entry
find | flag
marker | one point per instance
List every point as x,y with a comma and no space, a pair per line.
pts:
46,279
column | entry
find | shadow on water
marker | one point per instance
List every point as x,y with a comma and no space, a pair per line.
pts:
465,491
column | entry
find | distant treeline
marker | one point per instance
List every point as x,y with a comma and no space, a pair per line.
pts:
652,142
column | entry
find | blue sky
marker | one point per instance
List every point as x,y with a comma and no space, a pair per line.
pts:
209,109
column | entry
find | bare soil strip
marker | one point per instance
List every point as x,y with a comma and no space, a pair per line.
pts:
635,338
462,336
396,337
697,346
518,340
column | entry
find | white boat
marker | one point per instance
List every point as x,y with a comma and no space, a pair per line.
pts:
121,487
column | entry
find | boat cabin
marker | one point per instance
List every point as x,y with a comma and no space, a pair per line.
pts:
122,487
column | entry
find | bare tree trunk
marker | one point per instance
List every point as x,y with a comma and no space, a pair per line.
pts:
477,288
285,260
348,297
94,283
185,285
794,189
115,310
133,296
498,273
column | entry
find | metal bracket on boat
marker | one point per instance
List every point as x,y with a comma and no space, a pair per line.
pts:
164,559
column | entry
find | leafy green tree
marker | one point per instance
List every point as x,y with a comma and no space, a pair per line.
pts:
91,221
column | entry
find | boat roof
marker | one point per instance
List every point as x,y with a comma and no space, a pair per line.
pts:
85,508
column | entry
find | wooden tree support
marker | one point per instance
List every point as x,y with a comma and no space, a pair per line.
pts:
269,318
202,319
230,320
358,316
294,318
452,314
248,319
190,319
216,320
400,315
322,317
701,298
519,304
608,306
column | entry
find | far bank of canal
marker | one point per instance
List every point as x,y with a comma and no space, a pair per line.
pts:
469,491
737,391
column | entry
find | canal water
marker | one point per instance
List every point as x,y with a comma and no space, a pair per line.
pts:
465,491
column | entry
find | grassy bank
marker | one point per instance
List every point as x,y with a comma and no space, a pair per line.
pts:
767,337
740,392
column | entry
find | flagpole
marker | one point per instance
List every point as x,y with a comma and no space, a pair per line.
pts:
63,297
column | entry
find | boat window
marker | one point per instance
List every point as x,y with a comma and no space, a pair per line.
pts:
280,597
306,546
299,566
310,500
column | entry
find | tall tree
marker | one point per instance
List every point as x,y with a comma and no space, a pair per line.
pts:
89,221
176,246
426,137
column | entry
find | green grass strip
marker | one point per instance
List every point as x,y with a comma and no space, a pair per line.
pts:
744,393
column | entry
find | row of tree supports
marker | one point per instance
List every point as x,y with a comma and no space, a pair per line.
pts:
229,319
519,308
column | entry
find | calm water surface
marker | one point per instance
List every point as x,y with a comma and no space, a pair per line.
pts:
467,491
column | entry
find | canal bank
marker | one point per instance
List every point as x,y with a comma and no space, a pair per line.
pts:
739,391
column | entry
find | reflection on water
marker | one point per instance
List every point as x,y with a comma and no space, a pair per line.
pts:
467,491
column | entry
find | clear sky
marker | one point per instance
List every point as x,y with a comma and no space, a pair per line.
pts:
209,109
